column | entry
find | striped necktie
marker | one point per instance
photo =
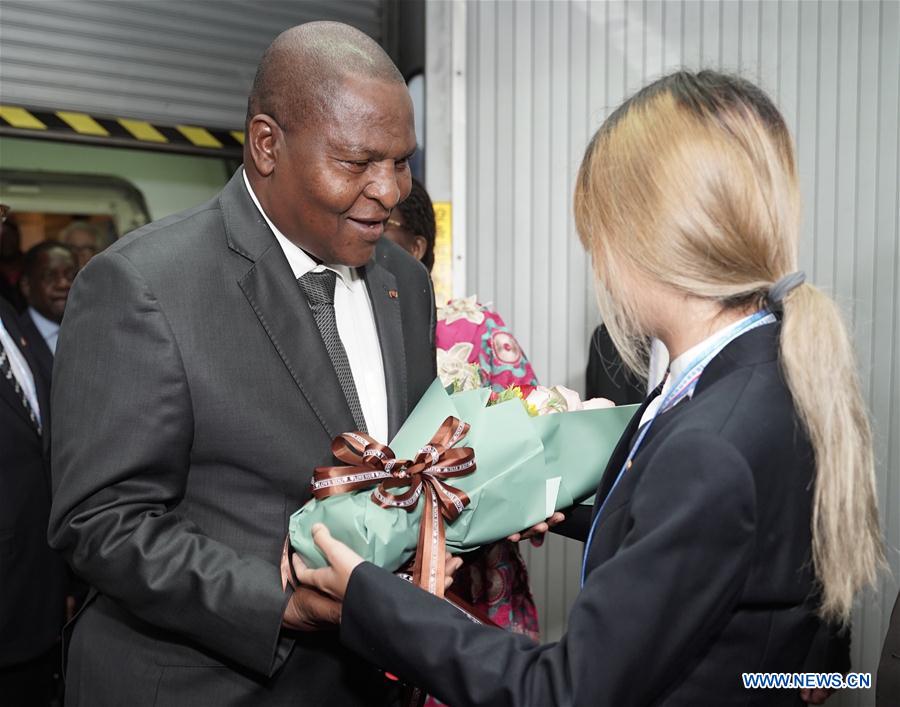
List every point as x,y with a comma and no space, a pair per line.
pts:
318,288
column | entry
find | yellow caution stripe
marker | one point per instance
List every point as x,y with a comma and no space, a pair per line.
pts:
85,127
82,123
142,130
20,118
201,137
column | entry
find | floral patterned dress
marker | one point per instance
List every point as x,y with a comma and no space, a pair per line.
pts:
476,349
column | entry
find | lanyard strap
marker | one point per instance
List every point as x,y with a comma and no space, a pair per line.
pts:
684,387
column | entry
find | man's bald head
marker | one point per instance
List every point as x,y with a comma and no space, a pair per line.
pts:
300,72
328,140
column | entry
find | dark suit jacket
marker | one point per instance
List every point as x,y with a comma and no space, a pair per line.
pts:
43,356
606,375
193,397
32,576
887,681
699,569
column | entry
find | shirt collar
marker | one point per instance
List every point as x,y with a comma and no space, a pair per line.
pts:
299,260
680,364
46,327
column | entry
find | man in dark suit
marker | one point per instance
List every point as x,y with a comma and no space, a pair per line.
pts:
48,270
32,598
205,364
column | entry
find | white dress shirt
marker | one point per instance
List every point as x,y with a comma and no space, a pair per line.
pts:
356,327
47,328
659,364
20,370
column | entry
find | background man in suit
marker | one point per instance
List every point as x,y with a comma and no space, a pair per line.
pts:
85,240
48,270
32,599
205,364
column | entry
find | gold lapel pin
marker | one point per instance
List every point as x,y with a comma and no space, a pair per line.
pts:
23,342
393,294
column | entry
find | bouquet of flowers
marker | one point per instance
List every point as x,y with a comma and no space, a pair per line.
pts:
520,462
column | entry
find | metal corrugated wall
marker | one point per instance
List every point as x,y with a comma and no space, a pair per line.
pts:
168,61
541,78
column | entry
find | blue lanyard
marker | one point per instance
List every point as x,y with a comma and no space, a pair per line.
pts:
684,387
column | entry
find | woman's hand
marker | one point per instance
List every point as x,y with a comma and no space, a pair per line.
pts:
332,581
536,532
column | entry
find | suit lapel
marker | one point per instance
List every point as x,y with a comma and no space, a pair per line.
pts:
755,346
619,455
9,397
40,359
7,391
383,293
287,320
276,299
39,350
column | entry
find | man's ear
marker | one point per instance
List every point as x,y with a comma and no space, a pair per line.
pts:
25,286
420,245
263,134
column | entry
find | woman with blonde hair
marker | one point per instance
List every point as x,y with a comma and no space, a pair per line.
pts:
738,511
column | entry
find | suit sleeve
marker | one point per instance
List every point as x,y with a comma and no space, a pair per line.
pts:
830,650
577,524
121,457
640,620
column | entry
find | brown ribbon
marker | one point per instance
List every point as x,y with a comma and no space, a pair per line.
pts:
374,464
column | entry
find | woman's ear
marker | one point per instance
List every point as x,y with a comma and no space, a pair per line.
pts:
262,135
420,246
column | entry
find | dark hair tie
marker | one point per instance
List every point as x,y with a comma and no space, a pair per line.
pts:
781,289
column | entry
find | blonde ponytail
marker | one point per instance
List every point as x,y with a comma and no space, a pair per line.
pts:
819,365
692,184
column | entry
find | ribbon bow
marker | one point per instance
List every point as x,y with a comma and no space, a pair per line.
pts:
374,464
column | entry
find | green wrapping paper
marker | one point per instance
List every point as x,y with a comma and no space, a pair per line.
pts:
520,460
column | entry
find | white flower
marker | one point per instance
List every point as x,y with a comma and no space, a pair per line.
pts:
561,399
546,400
454,369
462,308
571,399
538,398
598,404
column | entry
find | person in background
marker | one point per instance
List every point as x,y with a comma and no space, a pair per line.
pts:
32,576
606,375
738,512
10,260
85,239
475,348
48,270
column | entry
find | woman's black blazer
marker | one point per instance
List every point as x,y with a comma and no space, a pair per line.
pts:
699,569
